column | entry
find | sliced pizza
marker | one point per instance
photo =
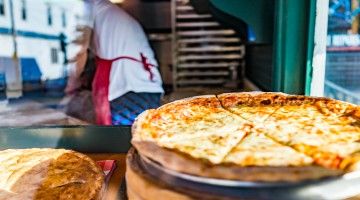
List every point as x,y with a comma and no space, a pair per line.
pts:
199,127
259,150
307,129
252,106
210,147
252,130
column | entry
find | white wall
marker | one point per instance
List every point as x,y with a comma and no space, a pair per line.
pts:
42,55
5,20
37,15
6,46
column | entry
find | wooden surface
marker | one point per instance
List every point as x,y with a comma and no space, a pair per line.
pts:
141,187
117,176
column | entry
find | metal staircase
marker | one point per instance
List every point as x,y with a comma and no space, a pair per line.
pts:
204,52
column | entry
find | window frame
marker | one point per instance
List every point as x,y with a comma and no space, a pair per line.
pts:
49,15
316,70
320,86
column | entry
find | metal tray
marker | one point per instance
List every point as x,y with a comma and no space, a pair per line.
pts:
340,187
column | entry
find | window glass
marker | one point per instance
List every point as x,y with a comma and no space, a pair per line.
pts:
54,55
63,18
342,72
2,7
23,10
35,62
49,15
49,48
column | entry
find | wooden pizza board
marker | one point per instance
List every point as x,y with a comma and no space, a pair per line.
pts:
141,187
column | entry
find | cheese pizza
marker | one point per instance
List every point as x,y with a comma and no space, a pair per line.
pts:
252,136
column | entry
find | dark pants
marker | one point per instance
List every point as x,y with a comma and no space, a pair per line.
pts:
127,107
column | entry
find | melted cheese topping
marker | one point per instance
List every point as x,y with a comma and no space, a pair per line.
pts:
204,131
259,150
211,147
293,134
342,149
257,114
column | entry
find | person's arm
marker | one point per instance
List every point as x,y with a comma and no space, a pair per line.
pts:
77,61
79,43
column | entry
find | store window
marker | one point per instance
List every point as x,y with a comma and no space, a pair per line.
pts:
342,69
48,56
23,10
49,15
54,55
38,75
2,7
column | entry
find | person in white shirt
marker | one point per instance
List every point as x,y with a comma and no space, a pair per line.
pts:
127,80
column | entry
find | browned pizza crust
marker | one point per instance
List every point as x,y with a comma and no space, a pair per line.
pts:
251,99
271,98
203,100
49,174
324,104
135,128
182,163
277,98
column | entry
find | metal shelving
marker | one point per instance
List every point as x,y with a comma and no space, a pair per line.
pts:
204,52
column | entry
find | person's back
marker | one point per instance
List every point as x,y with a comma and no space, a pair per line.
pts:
125,57
118,34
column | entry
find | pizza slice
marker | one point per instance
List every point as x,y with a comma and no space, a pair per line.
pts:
351,162
199,127
252,106
344,122
182,117
334,155
210,147
332,127
332,107
309,143
308,130
259,150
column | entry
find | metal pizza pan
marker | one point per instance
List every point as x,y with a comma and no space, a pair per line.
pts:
340,187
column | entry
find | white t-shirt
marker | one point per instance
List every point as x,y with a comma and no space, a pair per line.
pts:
115,33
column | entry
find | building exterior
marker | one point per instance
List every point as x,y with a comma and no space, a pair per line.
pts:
39,29
342,74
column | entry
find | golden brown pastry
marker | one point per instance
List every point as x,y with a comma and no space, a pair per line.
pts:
48,174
